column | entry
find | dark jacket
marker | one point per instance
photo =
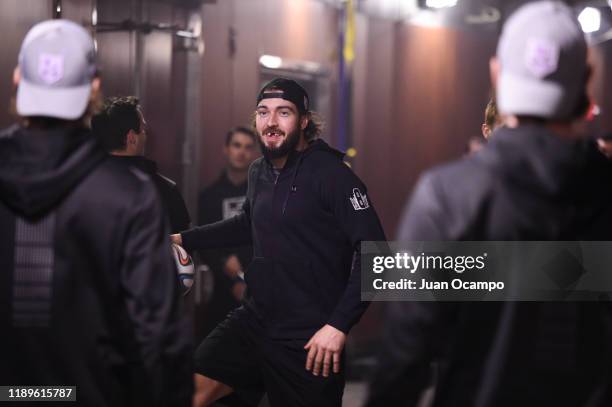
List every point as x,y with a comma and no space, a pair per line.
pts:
305,225
171,198
526,184
88,293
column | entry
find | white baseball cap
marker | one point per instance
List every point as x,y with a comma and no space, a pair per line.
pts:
542,54
57,65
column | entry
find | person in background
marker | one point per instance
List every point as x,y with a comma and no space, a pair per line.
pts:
219,201
122,130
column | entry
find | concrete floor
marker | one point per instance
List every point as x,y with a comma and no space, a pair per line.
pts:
354,394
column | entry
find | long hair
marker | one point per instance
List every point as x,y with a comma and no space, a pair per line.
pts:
315,126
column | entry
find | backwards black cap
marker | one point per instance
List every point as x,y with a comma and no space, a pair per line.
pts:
287,89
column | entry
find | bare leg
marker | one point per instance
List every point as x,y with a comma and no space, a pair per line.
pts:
207,391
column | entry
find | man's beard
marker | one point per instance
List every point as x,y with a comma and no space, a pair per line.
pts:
284,149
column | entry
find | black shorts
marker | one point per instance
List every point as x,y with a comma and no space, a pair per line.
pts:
238,354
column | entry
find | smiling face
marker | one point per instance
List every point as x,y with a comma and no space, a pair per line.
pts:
279,127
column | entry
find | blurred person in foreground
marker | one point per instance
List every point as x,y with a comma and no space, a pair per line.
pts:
536,179
88,293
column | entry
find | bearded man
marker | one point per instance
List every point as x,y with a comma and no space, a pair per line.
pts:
305,214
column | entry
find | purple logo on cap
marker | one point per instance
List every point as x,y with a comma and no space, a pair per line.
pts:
542,57
50,68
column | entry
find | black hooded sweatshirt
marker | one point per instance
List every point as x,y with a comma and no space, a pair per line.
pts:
88,293
526,184
306,224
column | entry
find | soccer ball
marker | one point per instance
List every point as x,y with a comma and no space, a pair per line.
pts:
184,267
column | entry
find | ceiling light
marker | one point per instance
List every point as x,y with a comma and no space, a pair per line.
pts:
590,19
440,3
270,61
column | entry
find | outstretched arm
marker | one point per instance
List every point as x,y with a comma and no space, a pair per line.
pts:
230,232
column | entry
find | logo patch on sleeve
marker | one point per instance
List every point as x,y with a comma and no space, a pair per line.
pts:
359,200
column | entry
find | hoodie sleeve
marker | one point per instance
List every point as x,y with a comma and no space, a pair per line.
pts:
161,331
232,232
346,196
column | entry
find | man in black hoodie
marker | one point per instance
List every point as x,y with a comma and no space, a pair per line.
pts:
88,293
536,179
121,128
306,214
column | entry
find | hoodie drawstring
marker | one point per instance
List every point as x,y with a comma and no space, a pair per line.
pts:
292,187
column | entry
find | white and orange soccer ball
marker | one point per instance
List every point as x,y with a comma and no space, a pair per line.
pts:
184,267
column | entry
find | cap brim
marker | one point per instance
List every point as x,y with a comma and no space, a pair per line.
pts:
518,95
61,103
